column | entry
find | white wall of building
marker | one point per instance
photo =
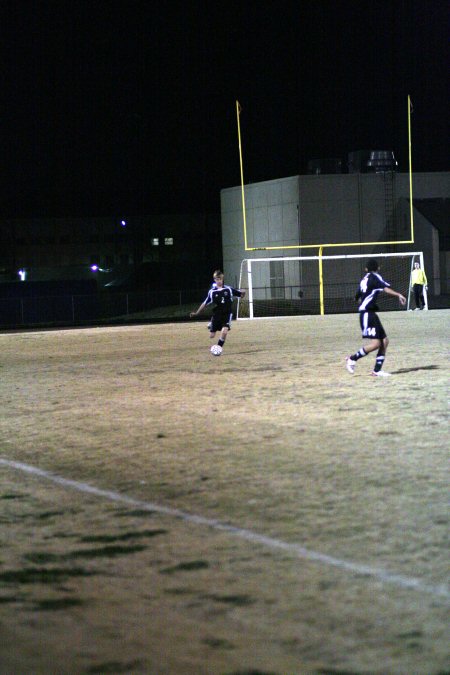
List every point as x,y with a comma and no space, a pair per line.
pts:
328,209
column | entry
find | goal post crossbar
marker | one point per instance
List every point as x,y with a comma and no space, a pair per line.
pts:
275,282
336,257
304,246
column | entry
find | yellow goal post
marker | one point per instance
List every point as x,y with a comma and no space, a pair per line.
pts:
300,246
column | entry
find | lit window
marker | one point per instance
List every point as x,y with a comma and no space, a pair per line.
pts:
168,241
155,241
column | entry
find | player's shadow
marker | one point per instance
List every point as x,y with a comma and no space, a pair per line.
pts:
412,370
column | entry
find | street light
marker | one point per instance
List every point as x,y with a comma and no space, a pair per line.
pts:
96,268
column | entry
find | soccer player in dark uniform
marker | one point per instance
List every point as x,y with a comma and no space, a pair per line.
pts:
221,296
370,286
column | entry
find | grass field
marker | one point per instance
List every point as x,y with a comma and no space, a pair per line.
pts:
164,511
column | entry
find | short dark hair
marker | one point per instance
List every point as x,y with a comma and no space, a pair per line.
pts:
372,265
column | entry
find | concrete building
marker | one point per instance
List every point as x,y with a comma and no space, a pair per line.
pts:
350,209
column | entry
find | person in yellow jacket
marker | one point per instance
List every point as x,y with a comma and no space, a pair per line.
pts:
418,281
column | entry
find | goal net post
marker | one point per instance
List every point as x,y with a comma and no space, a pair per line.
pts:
293,286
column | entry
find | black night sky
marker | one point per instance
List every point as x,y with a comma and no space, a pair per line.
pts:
127,106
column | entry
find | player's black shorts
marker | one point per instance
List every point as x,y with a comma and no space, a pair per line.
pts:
219,321
371,326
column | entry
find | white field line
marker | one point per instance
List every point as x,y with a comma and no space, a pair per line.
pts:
380,575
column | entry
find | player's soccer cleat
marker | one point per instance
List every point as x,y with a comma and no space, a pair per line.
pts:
350,365
380,373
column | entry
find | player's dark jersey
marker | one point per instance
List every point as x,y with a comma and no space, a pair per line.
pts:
369,288
222,298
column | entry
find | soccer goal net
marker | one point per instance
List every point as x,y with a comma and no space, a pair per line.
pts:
318,284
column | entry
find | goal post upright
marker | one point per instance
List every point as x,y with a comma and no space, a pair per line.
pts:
321,294
411,210
244,218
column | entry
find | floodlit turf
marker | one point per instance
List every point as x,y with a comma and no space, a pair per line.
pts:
166,511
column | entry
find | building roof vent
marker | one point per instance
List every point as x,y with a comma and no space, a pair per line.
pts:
381,161
369,161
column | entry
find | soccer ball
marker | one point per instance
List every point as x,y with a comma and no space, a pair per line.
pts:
216,350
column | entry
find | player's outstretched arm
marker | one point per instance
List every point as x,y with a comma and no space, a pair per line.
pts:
238,292
200,309
401,298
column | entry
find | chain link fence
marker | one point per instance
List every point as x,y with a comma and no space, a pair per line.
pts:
61,310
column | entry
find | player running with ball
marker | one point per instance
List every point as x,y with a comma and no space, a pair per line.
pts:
221,297
370,286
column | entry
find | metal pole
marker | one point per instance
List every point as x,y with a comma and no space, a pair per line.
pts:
238,112
410,170
322,308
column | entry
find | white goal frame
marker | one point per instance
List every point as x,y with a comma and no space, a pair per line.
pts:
246,278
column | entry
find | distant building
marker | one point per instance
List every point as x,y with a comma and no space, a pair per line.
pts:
325,208
169,249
